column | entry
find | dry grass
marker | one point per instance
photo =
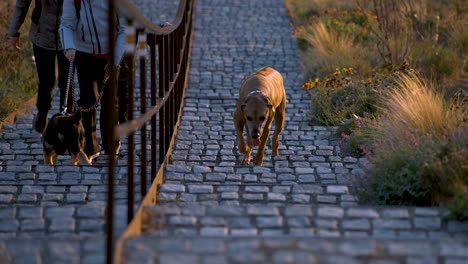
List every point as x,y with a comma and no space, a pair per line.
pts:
326,42
301,10
418,106
330,50
18,78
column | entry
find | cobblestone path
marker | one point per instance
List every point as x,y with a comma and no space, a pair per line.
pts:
295,209
56,214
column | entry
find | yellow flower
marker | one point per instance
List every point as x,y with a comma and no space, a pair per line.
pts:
307,86
312,18
337,73
369,80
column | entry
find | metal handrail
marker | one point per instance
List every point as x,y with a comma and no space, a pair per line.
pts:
167,90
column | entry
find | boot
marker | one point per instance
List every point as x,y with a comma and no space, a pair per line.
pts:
40,121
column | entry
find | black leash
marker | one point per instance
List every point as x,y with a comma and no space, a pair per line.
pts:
71,88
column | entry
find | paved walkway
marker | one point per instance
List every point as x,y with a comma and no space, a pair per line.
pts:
56,214
297,207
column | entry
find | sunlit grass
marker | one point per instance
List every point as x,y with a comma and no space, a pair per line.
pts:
417,105
330,50
18,79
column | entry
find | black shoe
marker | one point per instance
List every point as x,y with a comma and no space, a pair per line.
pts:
40,121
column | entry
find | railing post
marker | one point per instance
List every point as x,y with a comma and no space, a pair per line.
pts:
110,131
161,48
142,55
152,45
130,61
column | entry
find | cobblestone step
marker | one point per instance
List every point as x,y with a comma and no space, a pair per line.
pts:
278,171
53,250
194,219
191,249
60,221
58,175
231,193
59,194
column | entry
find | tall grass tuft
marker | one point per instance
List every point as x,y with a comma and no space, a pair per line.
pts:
330,50
415,104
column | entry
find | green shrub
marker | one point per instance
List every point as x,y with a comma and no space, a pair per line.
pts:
430,172
337,99
447,174
356,135
395,177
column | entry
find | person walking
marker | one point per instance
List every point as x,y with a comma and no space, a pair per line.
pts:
47,49
84,30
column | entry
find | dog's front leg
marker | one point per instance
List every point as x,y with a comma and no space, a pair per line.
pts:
261,149
83,159
54,158
48,159
280,117
248,154
239,124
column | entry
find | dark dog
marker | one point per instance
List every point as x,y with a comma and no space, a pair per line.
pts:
65,133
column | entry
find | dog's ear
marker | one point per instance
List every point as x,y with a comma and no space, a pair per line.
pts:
244,103
268,102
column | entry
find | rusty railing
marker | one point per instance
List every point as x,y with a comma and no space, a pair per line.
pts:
169,53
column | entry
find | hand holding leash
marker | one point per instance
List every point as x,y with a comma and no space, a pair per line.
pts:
70,54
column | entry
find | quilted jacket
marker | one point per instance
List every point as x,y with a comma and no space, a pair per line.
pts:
45,22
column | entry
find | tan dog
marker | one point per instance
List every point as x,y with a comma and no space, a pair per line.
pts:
262,98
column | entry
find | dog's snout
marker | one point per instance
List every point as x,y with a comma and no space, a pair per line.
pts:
255,134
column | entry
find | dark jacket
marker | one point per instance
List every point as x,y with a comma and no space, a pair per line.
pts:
45,22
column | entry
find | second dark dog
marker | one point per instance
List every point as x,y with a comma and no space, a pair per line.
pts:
65,133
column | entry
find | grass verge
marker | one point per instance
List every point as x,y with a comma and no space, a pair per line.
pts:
18,78
384,72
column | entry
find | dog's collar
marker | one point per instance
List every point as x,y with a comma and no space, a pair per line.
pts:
257,92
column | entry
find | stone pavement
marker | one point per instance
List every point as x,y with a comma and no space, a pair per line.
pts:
297,208
56,214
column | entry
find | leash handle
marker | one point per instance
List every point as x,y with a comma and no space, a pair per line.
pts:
70,84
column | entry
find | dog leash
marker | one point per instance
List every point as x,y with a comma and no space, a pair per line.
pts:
71,88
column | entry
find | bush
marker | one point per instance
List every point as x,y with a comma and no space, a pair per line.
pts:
419,149
430,172
339,98
394,177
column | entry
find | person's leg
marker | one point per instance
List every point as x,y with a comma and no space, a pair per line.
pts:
63,74
108,115
45,66
90,75
122,91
